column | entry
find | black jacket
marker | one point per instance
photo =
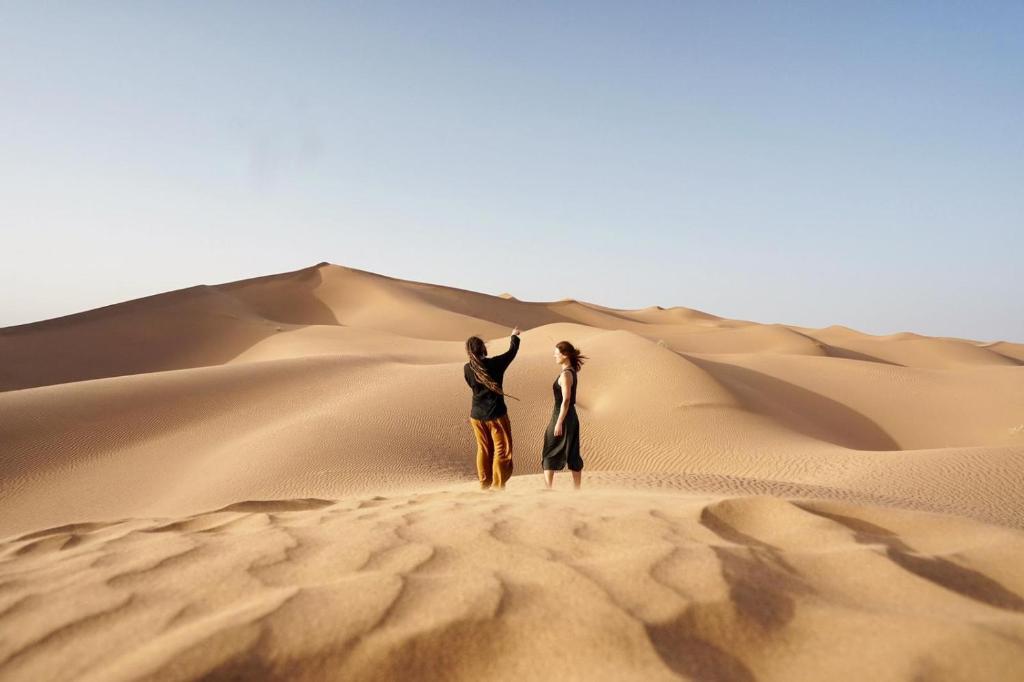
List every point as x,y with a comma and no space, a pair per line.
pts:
486,403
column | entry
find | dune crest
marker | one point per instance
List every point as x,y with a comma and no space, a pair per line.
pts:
274,479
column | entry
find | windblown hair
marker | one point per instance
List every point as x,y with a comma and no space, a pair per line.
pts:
476,349
573,353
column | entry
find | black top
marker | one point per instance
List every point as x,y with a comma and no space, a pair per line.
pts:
557,390
486,403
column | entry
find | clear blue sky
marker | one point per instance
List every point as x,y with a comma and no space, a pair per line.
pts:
857,163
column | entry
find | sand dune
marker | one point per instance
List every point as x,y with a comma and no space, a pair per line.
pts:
463,585
767,502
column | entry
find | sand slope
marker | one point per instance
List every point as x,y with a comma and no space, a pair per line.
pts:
464,585
771,502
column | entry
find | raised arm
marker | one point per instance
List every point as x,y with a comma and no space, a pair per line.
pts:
506,358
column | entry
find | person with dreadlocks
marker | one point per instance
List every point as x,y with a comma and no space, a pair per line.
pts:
489,415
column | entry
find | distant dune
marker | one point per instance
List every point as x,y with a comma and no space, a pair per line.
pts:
274,479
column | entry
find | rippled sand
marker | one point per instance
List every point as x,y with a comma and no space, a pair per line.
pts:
762,502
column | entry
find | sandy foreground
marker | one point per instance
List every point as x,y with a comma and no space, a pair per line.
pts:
274,479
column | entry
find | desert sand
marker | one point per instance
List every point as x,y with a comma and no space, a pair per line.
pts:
274,479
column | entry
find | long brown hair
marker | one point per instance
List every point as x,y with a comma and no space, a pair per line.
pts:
476,349
570,351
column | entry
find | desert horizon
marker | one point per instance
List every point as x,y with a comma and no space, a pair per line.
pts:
643,341
274,478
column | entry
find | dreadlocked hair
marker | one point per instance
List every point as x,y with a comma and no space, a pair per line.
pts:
476,349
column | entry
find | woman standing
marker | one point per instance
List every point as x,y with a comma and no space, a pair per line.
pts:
489,414
562,438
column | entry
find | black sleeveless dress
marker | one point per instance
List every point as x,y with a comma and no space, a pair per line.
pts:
564,449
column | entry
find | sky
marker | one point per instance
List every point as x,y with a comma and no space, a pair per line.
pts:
813,163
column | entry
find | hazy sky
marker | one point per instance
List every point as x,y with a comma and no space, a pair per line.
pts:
857,163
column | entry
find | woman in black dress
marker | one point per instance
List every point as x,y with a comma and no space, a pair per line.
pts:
562,438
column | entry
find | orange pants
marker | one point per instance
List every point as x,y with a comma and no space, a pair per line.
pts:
493,451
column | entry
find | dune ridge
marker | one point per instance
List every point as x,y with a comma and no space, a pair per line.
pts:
273,479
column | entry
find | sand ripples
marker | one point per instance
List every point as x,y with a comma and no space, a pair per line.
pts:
461,584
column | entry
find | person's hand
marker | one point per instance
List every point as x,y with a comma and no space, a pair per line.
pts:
558,430
515,331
